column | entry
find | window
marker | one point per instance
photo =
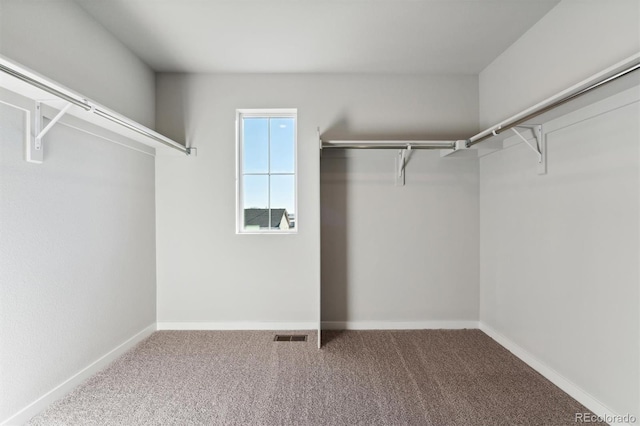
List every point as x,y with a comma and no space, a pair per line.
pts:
266,171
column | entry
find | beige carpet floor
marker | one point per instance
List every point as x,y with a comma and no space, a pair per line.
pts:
426,377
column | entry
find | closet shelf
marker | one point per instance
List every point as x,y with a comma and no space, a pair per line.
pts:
615,79
27,83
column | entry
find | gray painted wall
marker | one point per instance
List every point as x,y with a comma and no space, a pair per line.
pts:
559,253
207,273
77,246
77,254
399,254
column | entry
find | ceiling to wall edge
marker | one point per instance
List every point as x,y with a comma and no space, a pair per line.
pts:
167,37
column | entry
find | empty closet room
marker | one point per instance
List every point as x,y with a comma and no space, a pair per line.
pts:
332,212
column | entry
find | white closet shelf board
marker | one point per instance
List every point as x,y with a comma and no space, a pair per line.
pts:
25,89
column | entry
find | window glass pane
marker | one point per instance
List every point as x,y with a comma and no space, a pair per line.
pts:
282,145
256,202
255,148
282,202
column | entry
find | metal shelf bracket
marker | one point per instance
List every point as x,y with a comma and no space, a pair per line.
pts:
401,164
35,150
540,144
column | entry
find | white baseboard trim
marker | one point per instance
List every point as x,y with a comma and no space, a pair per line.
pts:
63,388
238,325
553,376
398,325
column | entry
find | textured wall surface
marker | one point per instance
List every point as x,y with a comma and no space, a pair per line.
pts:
77,247
77,256
399,254
559,253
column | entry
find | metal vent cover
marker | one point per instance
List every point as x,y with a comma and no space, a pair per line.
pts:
290,338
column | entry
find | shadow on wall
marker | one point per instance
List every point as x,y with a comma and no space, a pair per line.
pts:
174,116
334,201
335,245
342,129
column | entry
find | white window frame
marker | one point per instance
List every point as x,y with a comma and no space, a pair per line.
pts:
264,113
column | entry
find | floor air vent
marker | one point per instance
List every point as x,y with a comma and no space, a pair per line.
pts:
290,338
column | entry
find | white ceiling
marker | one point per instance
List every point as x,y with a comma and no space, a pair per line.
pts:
321,36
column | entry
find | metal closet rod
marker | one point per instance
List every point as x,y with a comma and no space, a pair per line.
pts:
388,144
487,134
87,106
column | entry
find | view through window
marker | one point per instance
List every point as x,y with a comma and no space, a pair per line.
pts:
267,171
